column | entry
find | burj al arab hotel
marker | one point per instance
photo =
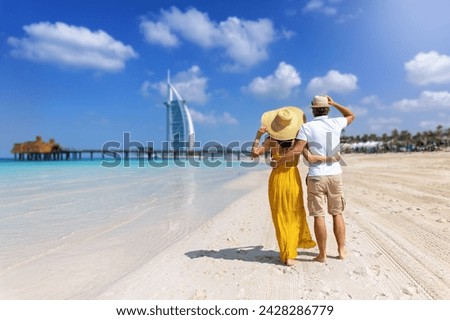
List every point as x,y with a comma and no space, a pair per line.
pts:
180,129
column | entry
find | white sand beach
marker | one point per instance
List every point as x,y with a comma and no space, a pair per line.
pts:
397,217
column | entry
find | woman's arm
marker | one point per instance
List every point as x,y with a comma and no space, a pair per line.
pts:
297,149
317,158
300,147
257,149
312,157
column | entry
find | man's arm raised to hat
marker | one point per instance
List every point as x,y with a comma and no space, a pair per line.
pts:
346,112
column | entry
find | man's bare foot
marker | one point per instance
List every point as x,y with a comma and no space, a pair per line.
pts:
320,259
343,253
290,262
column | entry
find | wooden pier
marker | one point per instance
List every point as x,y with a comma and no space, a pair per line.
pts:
150,154
40,150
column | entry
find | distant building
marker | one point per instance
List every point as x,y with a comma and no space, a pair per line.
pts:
37,146
36,150
180,129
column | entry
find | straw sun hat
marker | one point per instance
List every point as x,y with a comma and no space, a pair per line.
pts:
283,123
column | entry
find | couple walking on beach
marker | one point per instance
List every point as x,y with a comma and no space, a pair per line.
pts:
319,142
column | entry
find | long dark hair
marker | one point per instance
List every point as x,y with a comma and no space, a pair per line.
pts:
285,143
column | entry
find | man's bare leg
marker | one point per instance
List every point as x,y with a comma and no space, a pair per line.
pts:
339,233
320,231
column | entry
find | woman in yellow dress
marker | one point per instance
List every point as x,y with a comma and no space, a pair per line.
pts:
285,187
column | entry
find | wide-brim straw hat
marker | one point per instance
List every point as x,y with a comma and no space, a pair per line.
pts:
283,123
319,102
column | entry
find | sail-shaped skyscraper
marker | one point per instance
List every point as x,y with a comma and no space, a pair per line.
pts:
180,128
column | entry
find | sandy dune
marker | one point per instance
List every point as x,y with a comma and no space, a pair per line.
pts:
397,217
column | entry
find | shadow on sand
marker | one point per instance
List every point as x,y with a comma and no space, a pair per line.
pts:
248,254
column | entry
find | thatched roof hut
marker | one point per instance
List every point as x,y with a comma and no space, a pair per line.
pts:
37,146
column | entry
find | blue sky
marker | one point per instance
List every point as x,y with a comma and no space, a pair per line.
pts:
84,72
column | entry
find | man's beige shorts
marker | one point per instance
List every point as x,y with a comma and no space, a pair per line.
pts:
325,194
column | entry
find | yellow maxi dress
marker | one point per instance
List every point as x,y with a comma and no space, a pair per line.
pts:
288,211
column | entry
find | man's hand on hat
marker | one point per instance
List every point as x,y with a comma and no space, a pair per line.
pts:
330,101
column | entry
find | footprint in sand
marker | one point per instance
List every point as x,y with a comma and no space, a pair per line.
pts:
410,291
290,270
327,293
380,296
279,269
356,252
199,295
219,275
377,254
374,270
361,271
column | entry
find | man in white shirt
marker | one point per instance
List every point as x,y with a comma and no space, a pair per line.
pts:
324,180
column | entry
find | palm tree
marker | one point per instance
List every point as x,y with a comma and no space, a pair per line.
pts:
447,138
394,135
418,139
365,137
438,134
426,139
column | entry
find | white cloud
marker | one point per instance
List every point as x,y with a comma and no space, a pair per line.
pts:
365,104
158,33
212,119
428,100
193,25
227,118
427,68
245,42
359,111
190,84
321,7
287,34
371,100
330,8
145,88
70,45
202,118
333,81
279,85
378,125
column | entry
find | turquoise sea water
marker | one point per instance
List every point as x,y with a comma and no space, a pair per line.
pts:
57,207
